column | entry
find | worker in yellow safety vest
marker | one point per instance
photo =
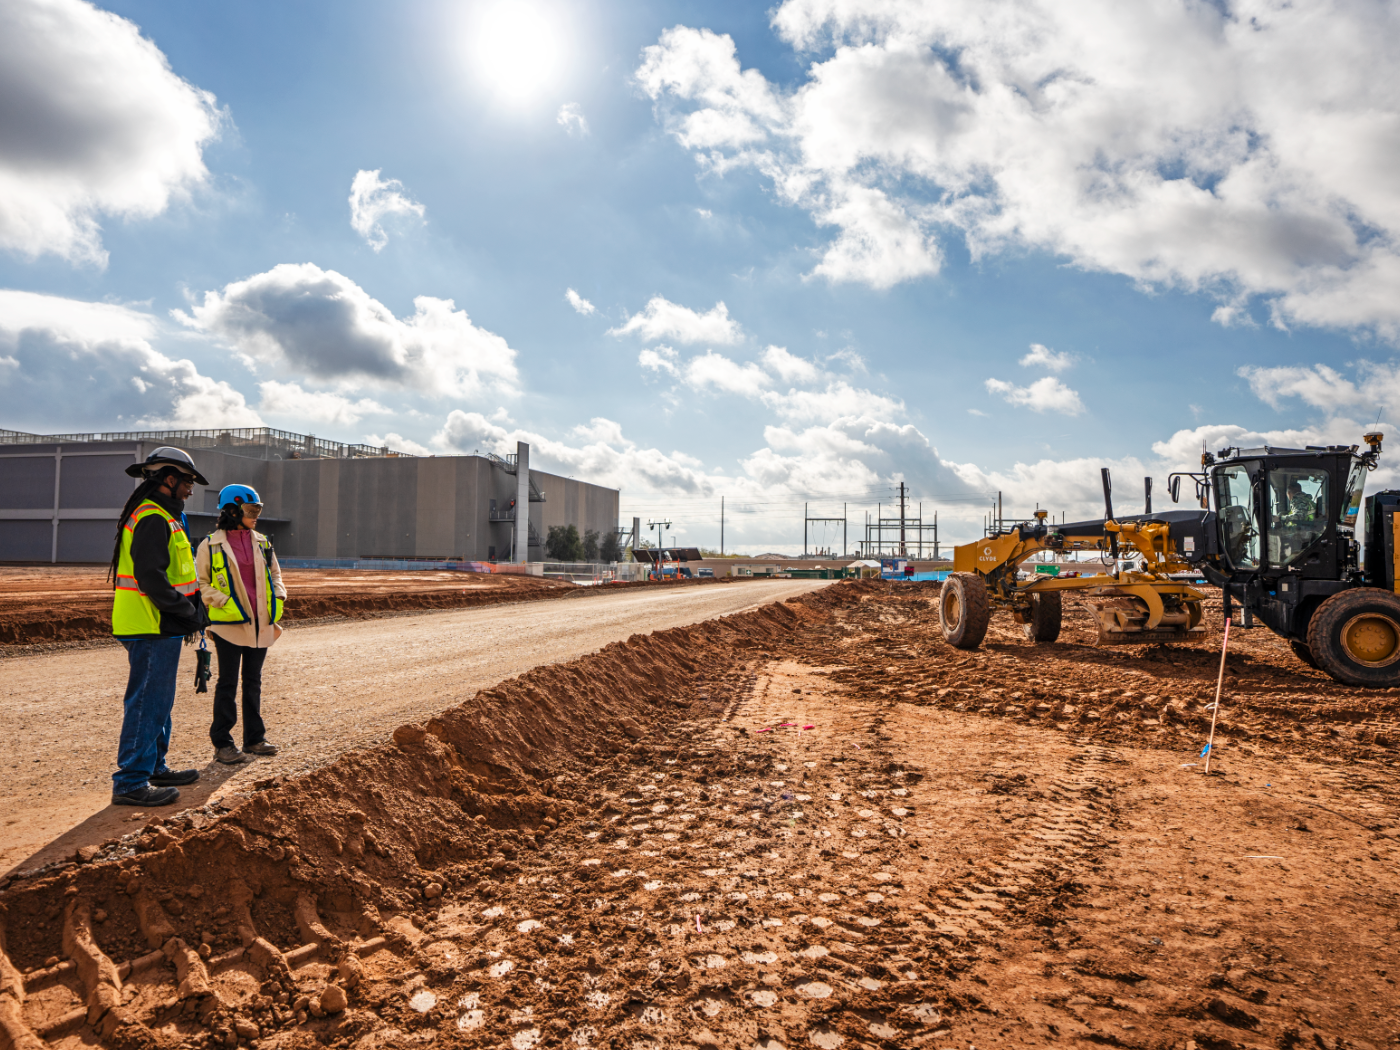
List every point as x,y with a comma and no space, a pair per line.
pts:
155,605
241,584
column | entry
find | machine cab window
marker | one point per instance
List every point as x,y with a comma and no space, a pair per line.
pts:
1239,522
1298,502
1351,507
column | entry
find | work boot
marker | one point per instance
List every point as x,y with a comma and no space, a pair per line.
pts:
262,747
171,777
231,756
146,796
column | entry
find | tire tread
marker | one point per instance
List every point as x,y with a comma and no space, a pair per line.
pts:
1324,637
977,610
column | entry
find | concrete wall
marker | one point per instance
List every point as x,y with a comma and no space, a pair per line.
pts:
399,507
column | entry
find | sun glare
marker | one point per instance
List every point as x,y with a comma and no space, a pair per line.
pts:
517,49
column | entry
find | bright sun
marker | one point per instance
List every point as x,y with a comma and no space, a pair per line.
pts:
517,48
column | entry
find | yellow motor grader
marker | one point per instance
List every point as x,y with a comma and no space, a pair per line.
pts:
1276,531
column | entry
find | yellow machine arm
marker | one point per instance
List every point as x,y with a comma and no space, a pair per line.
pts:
1138,605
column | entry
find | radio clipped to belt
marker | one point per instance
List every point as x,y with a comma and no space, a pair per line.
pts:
202,673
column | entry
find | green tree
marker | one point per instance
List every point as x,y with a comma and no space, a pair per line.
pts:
563,543
590,545
610,549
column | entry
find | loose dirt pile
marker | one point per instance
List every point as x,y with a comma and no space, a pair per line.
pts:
60,604
772,830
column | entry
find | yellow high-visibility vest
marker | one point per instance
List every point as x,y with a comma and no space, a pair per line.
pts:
219,578
133,614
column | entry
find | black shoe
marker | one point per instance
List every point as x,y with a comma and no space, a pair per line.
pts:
147,796
175,776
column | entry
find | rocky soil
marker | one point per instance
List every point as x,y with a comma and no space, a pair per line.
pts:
813,824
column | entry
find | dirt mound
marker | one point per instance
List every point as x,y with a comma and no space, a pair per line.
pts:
811,824
323,858
63,604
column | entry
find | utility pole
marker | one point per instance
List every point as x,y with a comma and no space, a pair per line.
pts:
903,552
845,548
804,530
721,526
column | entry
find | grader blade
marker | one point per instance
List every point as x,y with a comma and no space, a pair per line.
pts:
1129,621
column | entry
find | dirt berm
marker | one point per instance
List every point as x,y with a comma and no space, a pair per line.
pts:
343,852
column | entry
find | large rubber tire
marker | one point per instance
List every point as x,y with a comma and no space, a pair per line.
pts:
964,610
1355,637
1302,652
1047,613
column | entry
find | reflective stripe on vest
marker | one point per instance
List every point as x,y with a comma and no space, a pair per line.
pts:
221,580
133,614
232,610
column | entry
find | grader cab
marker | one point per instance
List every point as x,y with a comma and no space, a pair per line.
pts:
1276,531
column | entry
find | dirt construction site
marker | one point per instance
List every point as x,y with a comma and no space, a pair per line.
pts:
757,815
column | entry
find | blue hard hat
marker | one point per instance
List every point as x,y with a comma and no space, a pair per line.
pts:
238,494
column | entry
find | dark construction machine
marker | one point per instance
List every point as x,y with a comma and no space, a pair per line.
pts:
1276,532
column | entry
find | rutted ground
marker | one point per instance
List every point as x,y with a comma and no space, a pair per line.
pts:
327,688
766,831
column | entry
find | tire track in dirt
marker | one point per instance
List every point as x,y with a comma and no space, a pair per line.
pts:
613,853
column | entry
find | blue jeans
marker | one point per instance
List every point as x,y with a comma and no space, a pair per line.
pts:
150,695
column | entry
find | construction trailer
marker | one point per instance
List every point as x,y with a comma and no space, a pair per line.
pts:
60,496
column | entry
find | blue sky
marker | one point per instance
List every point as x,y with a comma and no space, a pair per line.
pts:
976,247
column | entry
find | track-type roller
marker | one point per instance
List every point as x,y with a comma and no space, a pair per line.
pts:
1355,636
964,610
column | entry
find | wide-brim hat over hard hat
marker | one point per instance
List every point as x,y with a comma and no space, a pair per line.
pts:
166,456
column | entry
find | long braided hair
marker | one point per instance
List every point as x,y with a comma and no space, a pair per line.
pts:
138,495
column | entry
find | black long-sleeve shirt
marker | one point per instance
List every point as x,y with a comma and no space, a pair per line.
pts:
150,557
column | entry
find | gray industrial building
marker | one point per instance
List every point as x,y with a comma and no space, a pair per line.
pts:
60,495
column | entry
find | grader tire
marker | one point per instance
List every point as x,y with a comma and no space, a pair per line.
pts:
964,610
1355,637
1302,652
1047,613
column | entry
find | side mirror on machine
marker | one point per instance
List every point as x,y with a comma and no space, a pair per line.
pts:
1174,487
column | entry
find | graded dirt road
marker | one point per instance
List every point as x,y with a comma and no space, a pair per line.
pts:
326,689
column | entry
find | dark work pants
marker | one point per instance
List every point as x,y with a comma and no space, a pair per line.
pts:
225,694
150,695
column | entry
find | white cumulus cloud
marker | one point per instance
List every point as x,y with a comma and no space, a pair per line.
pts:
793,387
598,453
579,303
372,201
1245,150
318,406
570,117
663,319
1047,394
93,122
398,443
320,324
1043,357
70,365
